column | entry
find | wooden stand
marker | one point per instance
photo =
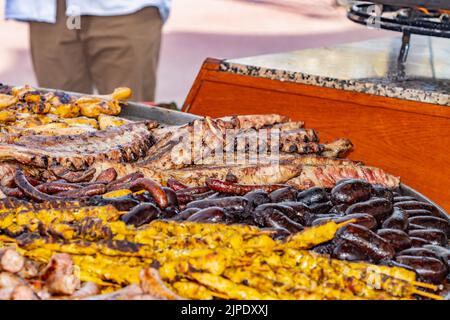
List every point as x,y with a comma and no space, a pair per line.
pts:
406,138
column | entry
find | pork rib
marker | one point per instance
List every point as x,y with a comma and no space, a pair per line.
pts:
126,143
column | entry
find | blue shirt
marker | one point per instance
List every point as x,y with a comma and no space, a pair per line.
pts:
45,10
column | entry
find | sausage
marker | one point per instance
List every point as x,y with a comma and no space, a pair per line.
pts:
57,187
351,191
413,226
321,208
324,248
176,185
339,208
396,238
313,195
374,247
283,194
31,192
234,207
397,220
404,198
380,208
149,185
107,176
288,211
418,252
347,251
172,199
211,215
273,218
192,191
441,252
431,222
428,269
278,233
186,198
12,192
240,189
185,214
125,203
89,191
432,236
417,242
421,212
380,191
413,205
257,197
141,214
362,219
115,185
301,210
319,219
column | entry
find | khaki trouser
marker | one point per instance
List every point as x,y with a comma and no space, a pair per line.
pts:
107,52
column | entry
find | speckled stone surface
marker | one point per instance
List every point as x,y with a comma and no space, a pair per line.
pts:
368,67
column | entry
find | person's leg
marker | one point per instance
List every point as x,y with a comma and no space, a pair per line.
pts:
124,51
58,56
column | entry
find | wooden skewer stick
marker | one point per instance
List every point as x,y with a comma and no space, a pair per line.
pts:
427,285
428,295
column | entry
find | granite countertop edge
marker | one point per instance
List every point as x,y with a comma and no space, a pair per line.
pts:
386,90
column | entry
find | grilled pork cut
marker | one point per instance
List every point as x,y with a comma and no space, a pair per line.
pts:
126,143
327,176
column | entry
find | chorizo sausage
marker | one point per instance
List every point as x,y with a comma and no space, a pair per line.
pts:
107,176
240,189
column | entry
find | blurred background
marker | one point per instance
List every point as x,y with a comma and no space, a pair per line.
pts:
198,29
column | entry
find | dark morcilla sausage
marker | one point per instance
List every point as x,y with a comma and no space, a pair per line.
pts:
284,194
397,238
211,215
313,195
374,247
378,207
432,222
432,236
141,214
257,197
427,268
380,191
351,191
273,218
397,220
